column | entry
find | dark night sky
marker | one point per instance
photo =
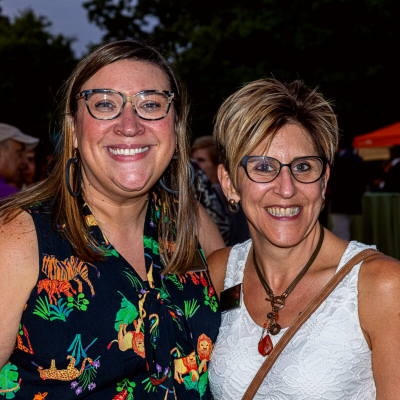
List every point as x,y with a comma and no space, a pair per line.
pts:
68,17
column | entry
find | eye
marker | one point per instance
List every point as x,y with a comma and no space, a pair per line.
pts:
105,105
302,167
150,106
264,167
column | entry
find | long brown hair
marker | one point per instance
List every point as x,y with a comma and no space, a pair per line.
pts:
67,210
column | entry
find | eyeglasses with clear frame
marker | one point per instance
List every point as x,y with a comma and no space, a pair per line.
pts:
106,104
262,169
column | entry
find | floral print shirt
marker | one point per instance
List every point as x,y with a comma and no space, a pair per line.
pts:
97,330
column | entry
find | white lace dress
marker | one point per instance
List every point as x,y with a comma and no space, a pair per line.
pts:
327,359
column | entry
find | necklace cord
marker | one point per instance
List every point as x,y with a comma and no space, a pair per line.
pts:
296,280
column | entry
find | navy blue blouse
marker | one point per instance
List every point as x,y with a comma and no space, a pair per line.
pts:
98,331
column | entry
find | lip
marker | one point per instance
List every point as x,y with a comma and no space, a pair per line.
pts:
285,218
127,158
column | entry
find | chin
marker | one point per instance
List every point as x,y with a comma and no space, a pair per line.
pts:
133,182
284,238
131,187
283,243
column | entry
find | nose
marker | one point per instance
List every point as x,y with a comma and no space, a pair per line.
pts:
128,122
285,184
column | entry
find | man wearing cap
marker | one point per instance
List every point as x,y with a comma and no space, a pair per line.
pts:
12,145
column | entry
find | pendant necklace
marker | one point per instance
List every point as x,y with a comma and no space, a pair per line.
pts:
271,326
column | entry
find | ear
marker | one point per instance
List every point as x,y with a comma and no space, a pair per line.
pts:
228,188
324,180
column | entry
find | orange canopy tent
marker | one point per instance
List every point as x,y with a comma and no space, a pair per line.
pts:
384,137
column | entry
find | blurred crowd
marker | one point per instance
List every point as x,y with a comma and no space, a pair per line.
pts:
17,160
23,162
205,159
350,178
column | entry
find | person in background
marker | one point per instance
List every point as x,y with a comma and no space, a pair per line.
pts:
391,181
12,145
232,225
29,169
205,154
348,183
208,198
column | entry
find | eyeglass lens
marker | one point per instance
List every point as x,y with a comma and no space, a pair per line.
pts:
107,105
265,169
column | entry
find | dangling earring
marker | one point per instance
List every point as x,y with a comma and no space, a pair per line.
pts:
177,191
233,206
77,167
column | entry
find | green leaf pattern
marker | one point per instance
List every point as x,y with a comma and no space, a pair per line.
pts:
9,380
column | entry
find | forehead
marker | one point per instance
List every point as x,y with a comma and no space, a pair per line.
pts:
128,77
204,153
290,142
14,145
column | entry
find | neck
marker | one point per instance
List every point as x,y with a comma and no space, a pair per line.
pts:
116,215
281,265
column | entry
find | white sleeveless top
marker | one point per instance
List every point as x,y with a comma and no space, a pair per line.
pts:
328,358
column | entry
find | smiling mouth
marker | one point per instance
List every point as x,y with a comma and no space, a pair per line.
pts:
283,212
128,152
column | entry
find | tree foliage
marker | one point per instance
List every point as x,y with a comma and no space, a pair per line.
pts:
34,65
346,47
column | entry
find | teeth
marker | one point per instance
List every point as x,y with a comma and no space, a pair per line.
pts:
283,212
127,152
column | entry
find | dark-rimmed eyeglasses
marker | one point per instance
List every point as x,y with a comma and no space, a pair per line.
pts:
106,104
262,169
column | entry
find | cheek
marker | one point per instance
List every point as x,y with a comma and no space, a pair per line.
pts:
252,192
167,132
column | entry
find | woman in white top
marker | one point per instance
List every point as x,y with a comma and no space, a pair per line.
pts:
277,142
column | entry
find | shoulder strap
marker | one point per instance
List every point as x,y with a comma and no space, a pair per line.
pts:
301,319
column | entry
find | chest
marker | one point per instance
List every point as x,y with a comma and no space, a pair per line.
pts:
93,313
130,248
327,358
257,301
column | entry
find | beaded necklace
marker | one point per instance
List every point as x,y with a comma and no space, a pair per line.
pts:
271,326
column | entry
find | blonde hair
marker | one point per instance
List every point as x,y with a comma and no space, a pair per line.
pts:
66,209
261,108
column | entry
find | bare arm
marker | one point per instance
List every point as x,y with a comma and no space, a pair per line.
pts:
379,311
19,269
208,234
217,266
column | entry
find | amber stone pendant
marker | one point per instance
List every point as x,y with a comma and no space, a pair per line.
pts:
265,346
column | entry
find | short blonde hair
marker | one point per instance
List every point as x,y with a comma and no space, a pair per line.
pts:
261,108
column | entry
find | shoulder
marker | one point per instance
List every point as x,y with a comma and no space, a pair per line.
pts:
379,291
21,223
379,271
18,243
19,271
209,236
379,312
217,262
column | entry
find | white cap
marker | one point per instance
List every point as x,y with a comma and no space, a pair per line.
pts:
11,132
